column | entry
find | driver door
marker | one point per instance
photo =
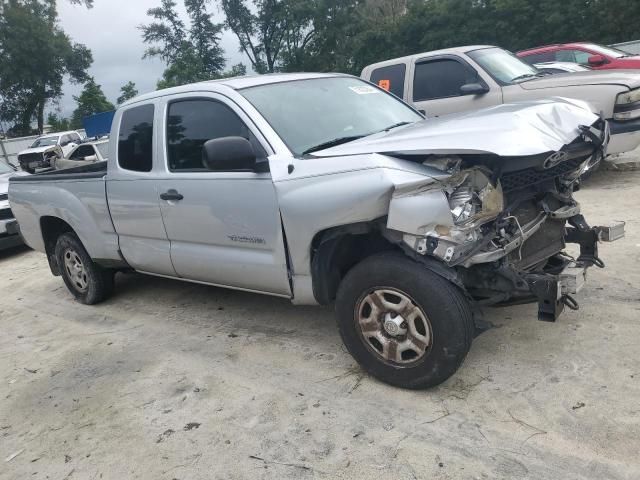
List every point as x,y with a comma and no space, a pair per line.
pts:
224,227
436,83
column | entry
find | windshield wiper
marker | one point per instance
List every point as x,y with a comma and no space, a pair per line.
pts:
332,143
395,125
523,77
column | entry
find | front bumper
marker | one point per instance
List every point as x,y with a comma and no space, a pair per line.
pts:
9,234
555,290
33,164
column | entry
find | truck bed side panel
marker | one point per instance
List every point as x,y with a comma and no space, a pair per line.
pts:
77,198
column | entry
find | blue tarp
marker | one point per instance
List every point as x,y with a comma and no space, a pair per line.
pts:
99,124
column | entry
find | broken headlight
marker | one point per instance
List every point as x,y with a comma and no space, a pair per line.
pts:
473,199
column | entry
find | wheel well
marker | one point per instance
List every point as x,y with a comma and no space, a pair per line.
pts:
52,228
336,250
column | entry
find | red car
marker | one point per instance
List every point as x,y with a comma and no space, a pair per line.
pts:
595,56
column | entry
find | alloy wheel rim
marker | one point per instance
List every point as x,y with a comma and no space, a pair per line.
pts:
393,326
76,270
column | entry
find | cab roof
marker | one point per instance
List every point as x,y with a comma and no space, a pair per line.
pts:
444,51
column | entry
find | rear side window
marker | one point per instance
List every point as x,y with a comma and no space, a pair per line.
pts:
440,79
573,56
135,141
390,78
543,57
81,152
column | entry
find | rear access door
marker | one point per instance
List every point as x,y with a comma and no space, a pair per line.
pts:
132,191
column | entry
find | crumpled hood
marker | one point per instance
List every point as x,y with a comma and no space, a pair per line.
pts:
517,129
38,149
625,78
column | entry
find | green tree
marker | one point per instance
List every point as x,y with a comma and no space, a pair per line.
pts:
57,123
192,54
35,57
90,101
127,92
269,30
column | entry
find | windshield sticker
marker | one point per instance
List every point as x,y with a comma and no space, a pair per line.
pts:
364,89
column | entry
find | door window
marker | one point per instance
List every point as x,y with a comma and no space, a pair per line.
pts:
573,56
542,57
135,140
191,123
440,79
390,78
81,152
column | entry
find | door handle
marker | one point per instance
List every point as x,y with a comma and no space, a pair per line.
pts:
171,195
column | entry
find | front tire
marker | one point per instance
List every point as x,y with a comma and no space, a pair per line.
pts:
85,279
402,323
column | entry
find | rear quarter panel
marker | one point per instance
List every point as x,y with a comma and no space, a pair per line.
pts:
80,203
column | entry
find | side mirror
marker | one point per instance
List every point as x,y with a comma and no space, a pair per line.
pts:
597,60
228,153
473,89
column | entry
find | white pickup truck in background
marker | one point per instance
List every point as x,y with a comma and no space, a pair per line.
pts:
469,78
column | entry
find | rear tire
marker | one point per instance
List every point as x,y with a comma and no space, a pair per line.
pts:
402,323
85,279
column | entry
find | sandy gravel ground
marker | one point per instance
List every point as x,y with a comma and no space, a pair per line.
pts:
169,380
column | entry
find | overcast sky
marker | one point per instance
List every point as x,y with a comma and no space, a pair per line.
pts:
110,30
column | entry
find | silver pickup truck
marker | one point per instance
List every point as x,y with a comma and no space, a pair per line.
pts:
326,189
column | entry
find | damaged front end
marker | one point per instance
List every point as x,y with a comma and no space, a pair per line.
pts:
503,222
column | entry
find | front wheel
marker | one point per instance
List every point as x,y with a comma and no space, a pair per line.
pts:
85,279
402,323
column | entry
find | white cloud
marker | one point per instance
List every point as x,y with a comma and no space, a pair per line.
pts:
110,30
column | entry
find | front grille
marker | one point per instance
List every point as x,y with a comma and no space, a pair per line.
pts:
30,157
5,214
531,176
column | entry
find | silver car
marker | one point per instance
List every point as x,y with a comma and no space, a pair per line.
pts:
9,232
325,189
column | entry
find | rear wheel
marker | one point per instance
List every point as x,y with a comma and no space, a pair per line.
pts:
402,323
85,279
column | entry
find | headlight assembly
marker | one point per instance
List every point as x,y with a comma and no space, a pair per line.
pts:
626,98
473,199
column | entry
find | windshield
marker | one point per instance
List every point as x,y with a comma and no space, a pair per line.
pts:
608,51
44,142
317,112
103,148
504,66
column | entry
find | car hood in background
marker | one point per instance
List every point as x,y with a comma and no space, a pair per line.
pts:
38,149
625,78
516,129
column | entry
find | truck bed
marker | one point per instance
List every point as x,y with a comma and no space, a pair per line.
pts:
84,172
74,196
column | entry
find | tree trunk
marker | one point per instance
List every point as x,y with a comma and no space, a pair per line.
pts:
41,103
